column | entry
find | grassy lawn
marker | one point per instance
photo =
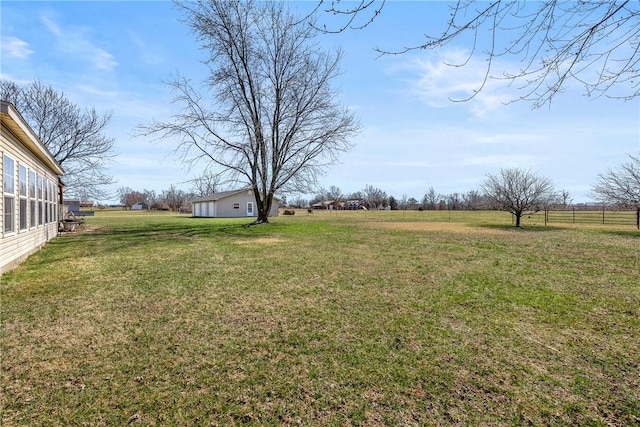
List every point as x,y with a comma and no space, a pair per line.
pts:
349,318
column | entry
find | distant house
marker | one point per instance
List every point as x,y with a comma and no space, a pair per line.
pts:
327,204
230,204
140,206
354,204
31,190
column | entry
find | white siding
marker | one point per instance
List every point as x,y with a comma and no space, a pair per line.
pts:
15,246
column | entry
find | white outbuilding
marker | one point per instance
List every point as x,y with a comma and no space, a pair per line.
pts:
230,204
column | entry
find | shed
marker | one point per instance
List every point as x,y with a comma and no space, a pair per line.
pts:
140,206
230,204
30,179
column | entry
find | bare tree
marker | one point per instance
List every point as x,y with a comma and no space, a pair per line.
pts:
174,198
205,184
276,124
402,203
518,191
74,136
472,200
412,203
430,199
620,186
454,201
565,198
129,197
592,43
356,196
374,197
335,194
299,202
121,193
150,196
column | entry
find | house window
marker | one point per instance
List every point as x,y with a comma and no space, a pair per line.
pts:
40,203
51,200
22,185
9,189
32,198
236,206
54,202
47,198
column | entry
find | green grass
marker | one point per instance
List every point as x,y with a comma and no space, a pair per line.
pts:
348,318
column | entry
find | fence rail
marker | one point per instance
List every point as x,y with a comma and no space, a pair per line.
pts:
603,216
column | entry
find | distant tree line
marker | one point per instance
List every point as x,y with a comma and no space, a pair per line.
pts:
173,199
372,197
514,190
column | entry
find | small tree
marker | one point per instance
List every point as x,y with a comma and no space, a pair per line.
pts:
620,186
518,191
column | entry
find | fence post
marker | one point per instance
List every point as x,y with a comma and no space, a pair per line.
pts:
638,218
603,214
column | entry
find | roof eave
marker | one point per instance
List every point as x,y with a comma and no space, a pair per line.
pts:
13,121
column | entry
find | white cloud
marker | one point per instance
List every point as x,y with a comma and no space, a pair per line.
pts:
502,160
437,80
51,26
74,43
14,47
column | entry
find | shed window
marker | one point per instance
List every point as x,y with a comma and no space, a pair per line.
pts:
236,206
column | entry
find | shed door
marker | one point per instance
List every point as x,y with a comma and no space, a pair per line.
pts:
249,208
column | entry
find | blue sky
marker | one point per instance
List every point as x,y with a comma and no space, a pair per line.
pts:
114,56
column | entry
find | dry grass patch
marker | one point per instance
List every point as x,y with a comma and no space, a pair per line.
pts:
260,241
449,227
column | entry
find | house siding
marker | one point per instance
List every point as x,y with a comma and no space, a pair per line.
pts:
41,224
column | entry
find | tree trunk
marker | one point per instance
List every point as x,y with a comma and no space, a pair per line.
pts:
518,216
264,207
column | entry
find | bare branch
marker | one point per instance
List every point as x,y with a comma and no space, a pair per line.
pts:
595,44
75,137
620,186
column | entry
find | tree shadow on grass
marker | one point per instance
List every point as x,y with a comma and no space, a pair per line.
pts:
107,240
522,229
